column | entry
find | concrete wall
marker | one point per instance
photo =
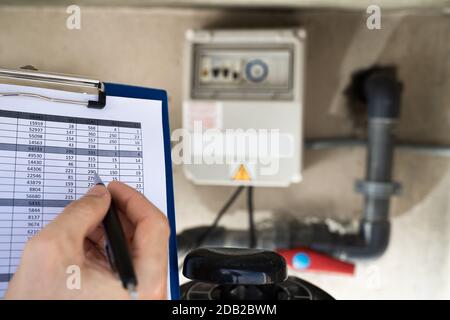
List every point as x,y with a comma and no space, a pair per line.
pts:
144,47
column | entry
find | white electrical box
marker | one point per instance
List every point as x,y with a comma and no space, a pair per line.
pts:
242,106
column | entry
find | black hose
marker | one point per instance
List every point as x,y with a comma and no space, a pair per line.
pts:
251,219
219,216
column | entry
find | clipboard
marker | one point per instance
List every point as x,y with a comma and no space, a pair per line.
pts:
31,77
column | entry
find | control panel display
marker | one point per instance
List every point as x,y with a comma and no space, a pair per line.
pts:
243,73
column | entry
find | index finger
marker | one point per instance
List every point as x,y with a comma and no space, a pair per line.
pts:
80,217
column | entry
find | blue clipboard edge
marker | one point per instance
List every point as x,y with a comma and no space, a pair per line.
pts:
126,91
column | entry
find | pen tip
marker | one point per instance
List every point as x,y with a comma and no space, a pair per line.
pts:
132,291
97,179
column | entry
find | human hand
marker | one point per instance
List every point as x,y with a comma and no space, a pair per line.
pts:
76,238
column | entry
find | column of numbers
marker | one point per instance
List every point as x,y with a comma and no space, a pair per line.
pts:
8,136
28,191
87,156
60,167
109,154
131,166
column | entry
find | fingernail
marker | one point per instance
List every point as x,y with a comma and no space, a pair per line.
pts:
97,191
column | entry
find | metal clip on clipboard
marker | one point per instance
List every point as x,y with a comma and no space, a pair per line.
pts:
34,77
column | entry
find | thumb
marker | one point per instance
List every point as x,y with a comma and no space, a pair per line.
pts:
80,217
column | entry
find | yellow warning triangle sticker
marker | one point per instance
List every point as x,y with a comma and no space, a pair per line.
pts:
242,174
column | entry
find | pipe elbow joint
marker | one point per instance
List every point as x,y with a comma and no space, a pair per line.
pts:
376,238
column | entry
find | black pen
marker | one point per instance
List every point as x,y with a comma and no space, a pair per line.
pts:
116,247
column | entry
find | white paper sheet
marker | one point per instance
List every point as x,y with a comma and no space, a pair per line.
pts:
49,151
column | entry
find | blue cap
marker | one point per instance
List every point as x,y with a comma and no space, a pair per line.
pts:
301,261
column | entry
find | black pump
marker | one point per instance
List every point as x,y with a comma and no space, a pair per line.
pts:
243,274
